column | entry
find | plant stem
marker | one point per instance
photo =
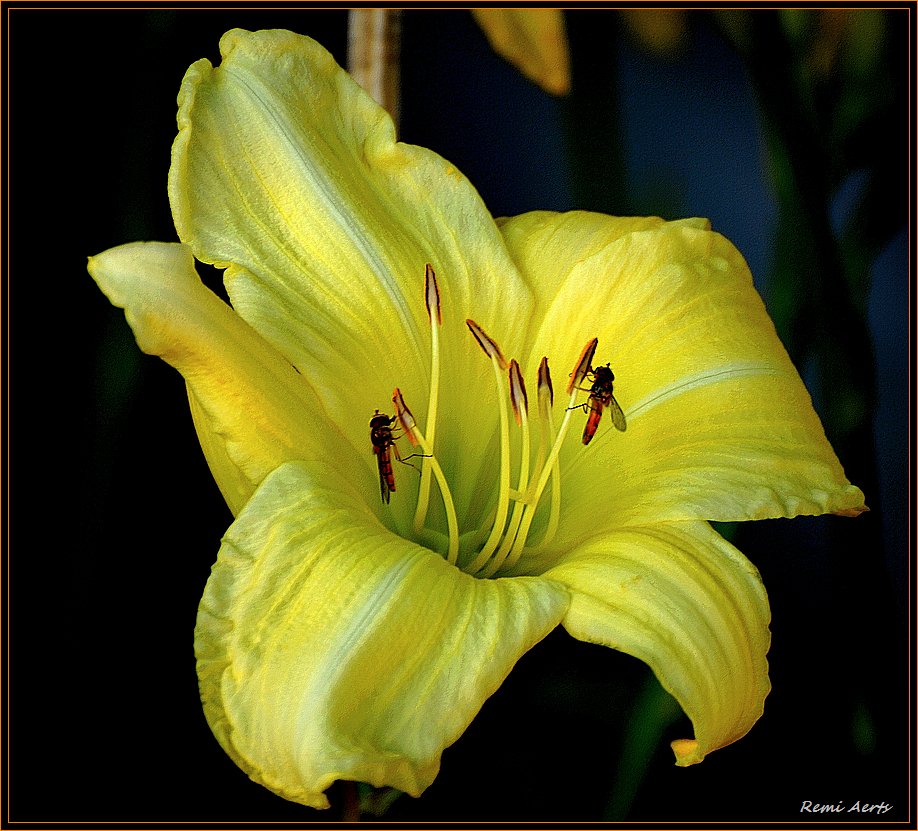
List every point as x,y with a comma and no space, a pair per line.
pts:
373,43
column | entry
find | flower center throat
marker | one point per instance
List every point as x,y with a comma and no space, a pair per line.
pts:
511,520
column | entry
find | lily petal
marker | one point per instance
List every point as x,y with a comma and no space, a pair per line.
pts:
252,409
720,426
546,246
329,648
286,173
533,40
683,600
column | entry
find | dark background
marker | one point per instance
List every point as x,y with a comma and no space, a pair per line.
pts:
790,137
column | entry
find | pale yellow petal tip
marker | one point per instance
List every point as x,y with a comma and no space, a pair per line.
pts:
687,752
699,223
131,271
854,503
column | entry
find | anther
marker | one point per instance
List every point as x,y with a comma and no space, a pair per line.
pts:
517,392
432,295
584,365
406,419
546,391
491,349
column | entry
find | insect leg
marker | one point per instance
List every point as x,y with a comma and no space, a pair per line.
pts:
398,457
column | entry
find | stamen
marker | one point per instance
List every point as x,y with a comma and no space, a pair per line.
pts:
546,399
432,299
416,437
577,376
521,411
498,363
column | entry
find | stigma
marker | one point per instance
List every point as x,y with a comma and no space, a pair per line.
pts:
525,485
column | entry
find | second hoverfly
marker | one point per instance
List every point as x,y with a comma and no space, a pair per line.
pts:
601,399
384,445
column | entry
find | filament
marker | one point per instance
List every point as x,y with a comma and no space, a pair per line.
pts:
518,507
554,515
452,553
409,425
503,498
520,410
533,504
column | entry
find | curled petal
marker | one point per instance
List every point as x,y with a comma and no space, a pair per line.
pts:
329,648
252,410
683,600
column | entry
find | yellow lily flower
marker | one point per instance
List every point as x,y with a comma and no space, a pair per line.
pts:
342,636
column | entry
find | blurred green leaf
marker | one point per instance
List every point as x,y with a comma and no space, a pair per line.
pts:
655,710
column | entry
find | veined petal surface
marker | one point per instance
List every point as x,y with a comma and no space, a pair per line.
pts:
683,600
288,174
720,426
329,648
253,409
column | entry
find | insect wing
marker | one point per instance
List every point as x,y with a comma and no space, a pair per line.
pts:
618,417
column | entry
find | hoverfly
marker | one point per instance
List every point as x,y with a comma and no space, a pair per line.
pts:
383,442
600,399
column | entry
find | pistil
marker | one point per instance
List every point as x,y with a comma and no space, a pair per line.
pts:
432,301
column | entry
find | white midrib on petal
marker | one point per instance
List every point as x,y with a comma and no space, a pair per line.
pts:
727,372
